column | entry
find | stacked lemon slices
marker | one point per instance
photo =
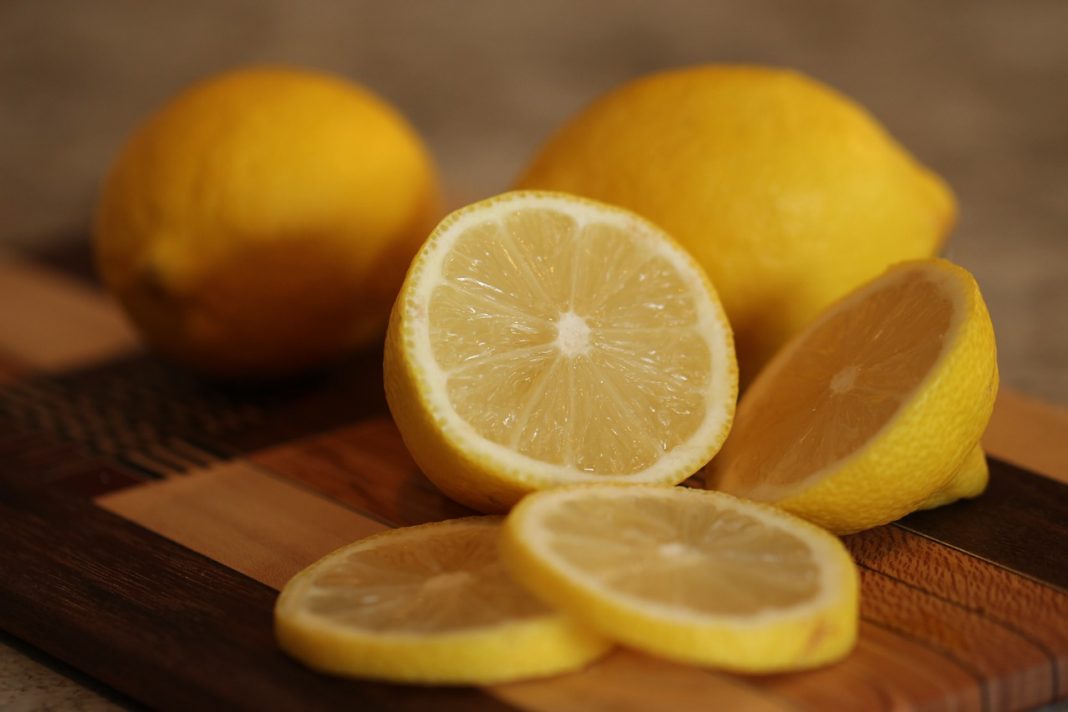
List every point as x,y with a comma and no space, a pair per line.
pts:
694,576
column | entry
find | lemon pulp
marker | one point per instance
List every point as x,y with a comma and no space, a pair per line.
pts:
543,339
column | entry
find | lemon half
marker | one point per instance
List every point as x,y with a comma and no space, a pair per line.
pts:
542,339
876,409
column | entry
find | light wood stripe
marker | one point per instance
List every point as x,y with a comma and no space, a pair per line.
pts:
51,322
630,681
1030,434
243,517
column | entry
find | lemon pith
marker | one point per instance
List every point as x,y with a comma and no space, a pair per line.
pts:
709,580
541,339
876,409
428,604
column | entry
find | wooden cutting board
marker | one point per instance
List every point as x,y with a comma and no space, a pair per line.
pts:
147,520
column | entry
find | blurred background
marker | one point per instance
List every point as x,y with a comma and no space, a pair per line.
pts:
976,89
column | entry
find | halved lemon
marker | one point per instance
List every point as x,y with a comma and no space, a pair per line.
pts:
876,409
695,576
427,604
542,339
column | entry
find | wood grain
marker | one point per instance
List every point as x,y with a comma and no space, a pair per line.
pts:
365,466
886,671
1020,522
51,322
1033,611
165,625
240,516
627,681
1016,672
1030,434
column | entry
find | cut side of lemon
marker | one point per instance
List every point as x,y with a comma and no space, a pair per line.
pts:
429,604
876,409
542,339
694,576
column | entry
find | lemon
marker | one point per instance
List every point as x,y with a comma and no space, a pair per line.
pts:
690,575
787,193
428,604
541,339
261,222
876,409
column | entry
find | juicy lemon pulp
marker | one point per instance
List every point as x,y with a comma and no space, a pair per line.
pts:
711,562
450,582
571,345
690,575
847,379
428,604
876,409
542,339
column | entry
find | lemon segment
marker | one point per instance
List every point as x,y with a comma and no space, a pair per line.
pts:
691,575
430,604
876,409
542,339
787,192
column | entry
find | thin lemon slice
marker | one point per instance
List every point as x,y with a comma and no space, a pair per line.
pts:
876,409
428,604
542,339
690,575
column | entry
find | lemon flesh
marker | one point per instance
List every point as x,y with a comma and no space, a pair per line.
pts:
694,576
429,604
787,192
542,339
876,409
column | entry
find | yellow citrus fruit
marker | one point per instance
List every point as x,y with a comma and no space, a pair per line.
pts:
542,339
691,575
876,409
786,192
428,604
261,221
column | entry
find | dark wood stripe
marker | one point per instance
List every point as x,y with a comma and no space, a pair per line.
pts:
151,419
159,622
1020,523
71,255
1031,609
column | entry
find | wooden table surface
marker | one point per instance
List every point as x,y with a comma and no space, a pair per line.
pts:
975,89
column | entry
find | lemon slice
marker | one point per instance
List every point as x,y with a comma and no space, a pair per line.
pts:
542,339
691,575
427,604
876,409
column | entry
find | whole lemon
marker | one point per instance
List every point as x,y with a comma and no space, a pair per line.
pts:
261,222
787,193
